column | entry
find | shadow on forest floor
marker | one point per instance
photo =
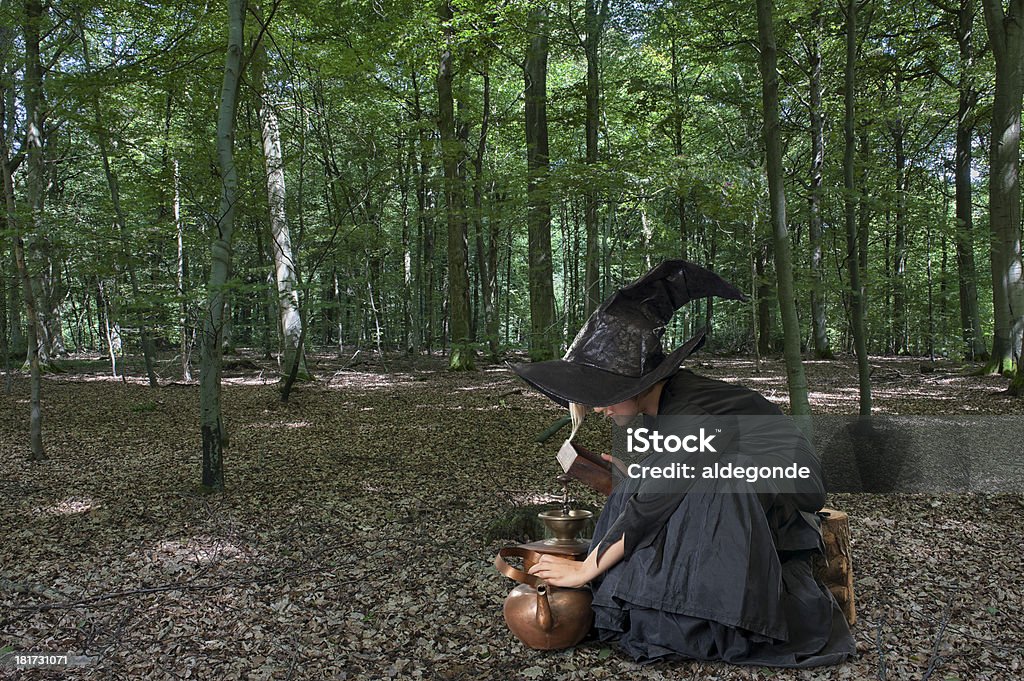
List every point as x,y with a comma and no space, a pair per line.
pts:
350,540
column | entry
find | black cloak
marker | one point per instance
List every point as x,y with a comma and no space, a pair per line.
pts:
720,576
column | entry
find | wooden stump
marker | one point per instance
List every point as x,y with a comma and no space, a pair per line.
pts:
835,569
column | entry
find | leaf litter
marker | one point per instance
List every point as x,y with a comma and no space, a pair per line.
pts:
351,542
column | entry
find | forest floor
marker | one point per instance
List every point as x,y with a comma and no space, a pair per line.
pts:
352,540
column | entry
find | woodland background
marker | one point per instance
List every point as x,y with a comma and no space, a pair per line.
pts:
307,196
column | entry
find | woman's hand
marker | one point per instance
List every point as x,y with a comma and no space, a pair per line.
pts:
558,571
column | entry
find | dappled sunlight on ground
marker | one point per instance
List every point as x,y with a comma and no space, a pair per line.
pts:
356,379
822,399
477,388
97,378
177,555
288,424
69,506
243,380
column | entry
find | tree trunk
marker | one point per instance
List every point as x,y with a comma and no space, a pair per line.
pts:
461,356
18,346
423,269
822,349
596,13
405,167
4,350
764,295
36,451
271,314
485,246
493,324
48,288
111,328
35,179
182,269
677,148
13,341
850,206
1006,35
970,318
285,266
544,337
899,263
798,401
214,432
864,212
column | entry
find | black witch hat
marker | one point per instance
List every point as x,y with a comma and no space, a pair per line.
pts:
618,354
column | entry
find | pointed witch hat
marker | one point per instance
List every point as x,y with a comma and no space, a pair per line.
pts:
618,354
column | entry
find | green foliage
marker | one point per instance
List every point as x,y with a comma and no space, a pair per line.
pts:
680,167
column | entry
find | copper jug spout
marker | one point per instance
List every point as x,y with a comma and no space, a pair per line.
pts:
545,619
542,616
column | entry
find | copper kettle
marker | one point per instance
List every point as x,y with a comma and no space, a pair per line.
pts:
543,617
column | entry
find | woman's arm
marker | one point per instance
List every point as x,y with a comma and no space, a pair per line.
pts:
559,571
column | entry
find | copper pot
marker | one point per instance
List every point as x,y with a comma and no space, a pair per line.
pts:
543,617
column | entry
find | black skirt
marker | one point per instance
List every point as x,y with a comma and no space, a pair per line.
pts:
713,585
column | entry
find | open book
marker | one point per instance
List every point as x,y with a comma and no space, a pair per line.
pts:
585,466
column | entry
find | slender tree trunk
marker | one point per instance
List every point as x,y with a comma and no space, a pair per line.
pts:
271,315
10,210
33,102
677,148
899,264
755,294
12,300
427,225
850,205
4,349
341,318
798,401
405,169
182,269
822,349
1006,36
211,418
285,266
864,212
970,318
508,285
111,329
18,346
763,305
596,13
46,286
493,324
422,268
485,246
461,357
544,337
36,451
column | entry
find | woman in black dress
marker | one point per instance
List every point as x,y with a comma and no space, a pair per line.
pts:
709,570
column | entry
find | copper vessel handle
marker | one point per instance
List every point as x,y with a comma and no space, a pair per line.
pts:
519,575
